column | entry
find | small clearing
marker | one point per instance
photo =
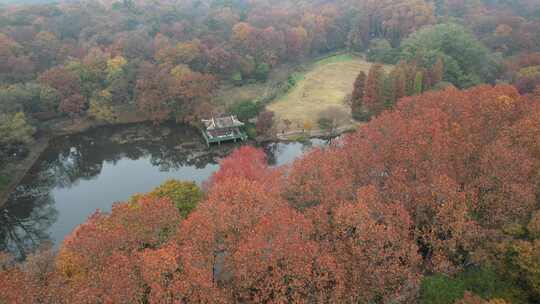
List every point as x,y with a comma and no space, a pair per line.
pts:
326,83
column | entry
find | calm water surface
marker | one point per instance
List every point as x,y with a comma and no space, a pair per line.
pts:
79,174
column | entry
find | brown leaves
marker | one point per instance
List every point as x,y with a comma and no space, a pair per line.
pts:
68,84
163,91
376,246
321,177
99,258
277,262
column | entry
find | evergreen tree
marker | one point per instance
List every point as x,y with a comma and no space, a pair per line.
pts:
400,82
437,71
389,91
358,95
373,99
418,83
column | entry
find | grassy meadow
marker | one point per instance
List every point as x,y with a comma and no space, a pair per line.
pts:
325,83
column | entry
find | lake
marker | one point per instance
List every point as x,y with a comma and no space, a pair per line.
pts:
81,173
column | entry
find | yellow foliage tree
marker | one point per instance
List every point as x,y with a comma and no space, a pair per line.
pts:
184,195
101,107
115,67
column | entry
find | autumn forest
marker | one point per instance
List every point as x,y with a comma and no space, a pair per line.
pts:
433,198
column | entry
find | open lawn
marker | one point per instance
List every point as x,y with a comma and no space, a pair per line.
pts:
228,94
326,83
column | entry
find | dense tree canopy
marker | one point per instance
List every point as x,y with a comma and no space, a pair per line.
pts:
467,62
445,181
110,59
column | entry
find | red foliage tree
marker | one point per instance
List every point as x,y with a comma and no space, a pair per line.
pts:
278,262
219,60
98,259
246,162
321,177
377,248
68,85
430,186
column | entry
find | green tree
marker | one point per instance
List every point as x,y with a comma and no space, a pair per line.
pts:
262,71
49,98
20,97
389,90
418,83
380,50
357,97
184,195
521,262
483,281
245,110
467,62
15,129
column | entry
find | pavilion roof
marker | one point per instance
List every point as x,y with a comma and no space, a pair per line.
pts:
223,122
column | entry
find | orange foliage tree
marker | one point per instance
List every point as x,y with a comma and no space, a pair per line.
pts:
433,186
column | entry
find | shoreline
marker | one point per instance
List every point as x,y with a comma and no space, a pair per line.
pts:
41,143
293,135
84,124
22,167
64,126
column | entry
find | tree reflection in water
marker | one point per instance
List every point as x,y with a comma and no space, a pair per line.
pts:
24,222
30,213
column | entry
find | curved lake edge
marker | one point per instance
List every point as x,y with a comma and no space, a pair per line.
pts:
81,173
85,125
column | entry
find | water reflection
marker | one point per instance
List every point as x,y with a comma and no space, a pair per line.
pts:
79,174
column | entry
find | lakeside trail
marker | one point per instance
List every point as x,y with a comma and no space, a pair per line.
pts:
292,134
64,127
21,168
334,94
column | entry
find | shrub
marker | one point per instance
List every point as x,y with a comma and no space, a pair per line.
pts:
236,78
251,132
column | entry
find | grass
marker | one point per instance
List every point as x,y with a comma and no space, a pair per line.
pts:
336,59
301,138
325,83
228,94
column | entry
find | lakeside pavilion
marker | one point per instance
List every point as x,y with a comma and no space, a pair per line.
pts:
220,129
